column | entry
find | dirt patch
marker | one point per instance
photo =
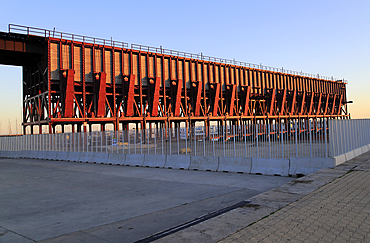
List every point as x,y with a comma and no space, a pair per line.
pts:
301,182
251,205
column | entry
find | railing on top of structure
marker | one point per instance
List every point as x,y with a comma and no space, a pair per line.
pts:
20,29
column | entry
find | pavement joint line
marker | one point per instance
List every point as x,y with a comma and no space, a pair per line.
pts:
192,222
8,230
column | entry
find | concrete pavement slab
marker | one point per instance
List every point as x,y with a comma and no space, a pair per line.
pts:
58,201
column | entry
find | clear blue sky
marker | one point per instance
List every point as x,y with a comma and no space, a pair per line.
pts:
331,38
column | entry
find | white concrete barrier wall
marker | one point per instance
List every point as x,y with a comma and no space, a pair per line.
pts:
283,167
350,155
41,155
205,163
73,156
270,166
33,154
365,149
50,155
340,159
4,154
234,164
8,154
13,154
134,159
86,157
116,159
308,165
101,158
181,162
357,152
60,155
154,161
25,154
18,154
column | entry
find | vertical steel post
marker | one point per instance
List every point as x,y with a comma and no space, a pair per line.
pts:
234,140
116,135
257,139
195,144
135,134
186,140
245,140
309,127
213,141
340,137
96,142
141,141
204,142
162,140
224,137
123,141
155,141
296,139
269,139
281,138
78,141
178,142
326,139
101,141
128,141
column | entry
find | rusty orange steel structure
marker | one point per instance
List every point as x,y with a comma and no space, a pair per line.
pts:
76,80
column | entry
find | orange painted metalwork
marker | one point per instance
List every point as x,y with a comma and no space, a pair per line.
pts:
78,80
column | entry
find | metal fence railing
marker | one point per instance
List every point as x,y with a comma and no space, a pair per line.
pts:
348,135
279,140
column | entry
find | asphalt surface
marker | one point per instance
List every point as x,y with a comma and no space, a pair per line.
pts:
57,201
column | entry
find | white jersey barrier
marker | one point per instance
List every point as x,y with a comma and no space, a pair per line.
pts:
86,157
295,166
116,159
73,156
134,159
279,167
235,164
180,162
304,166
205,163
154,161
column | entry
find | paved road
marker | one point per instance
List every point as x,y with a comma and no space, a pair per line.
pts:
57,201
